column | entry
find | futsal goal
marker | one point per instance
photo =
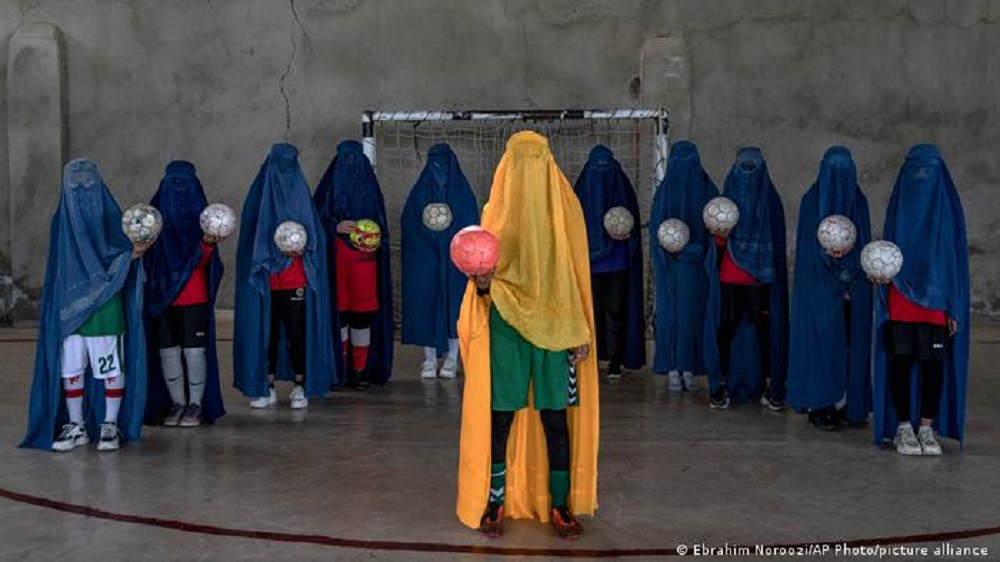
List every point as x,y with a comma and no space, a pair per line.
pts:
396,142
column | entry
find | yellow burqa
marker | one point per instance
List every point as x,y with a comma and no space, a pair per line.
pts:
542,288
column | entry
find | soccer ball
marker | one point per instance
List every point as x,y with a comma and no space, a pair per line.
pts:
837,233
366,236
721,214
618,221
291,237
218,219
881,259
142,223
673,235
437,216
475,250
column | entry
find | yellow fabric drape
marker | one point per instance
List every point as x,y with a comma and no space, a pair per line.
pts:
541,288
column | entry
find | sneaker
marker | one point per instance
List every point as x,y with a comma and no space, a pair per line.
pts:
450,368
298,398
614,373
719,399
429,369
565,523
689,383
173,418
928,441
772,403
361,381
491,523
265,401
823,419
906,443
72,436
109,437
192,416
674,381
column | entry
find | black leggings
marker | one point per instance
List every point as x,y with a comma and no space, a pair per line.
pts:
556,436
739,303
609,291
931,381
288,308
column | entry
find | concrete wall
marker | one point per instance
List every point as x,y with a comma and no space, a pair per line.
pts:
218,82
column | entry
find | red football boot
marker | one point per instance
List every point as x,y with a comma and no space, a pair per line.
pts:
491,524
565,523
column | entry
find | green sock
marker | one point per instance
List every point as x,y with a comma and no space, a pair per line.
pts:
558,487
498,481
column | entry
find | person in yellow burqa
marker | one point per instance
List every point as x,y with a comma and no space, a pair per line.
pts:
530,417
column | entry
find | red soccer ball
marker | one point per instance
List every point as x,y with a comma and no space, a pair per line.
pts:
475,250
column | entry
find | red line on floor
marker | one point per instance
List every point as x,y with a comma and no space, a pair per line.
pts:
325,540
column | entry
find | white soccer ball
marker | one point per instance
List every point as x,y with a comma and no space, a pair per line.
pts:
142,223
437,216
673,235
618,221
837,233
291,237
721,214
881,259
218,219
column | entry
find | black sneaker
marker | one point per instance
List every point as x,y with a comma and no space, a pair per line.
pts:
361,381
719,399
823,419
772,403
840,417
491,523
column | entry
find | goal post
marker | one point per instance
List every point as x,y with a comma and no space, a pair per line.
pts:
397,142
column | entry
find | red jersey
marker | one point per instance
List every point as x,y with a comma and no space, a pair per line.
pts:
729,271
196,289
292,277
902,309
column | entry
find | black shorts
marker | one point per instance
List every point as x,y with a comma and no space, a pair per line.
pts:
918,341
184,326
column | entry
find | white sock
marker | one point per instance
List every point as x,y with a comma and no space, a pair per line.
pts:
197,367
453,349
674,374
842,402
361,338
688,374
345,333
114,390
904,424
173,373
430,354
74,398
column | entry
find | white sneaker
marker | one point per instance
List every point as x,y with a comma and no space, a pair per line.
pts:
109,437
674,381
450,368
298,398
265,401
689,383
928,441
72,436
429,369
906,442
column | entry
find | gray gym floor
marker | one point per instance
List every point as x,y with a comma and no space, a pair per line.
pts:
372,476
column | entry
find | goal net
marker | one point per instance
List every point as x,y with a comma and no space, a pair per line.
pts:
397,144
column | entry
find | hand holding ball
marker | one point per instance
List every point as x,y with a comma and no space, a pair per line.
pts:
142,224
673,235
366,235
882,260
837,235
475,250
618,221
290,237
720,215
218,221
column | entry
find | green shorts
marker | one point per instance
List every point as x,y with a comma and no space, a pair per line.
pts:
515,364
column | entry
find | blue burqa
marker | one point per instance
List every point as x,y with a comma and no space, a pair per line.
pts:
169,264
823,364
433,288
680,281
757,245
602,185
278,194
90,261
925,219
350,191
